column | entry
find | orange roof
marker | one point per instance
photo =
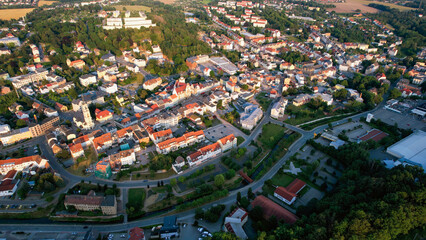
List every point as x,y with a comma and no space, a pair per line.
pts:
103,114
177,141
163,133
227,139
124,131
81,139
75,148
152,81
18,161
77,62
100,141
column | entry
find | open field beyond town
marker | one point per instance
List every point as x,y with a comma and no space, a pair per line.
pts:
132,8
8,14
352,5
47,3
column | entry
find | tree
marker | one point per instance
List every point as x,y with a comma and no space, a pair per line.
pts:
238,197
220,104
395,93
250,194
181,179
219,180
21,123
23,191
173,182
63,154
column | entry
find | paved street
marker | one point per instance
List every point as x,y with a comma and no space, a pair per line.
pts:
141,183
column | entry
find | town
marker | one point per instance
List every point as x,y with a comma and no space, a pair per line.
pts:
212,120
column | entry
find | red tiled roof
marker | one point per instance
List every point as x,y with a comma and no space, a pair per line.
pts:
7,185
163,133
179,140
227,139
83,199
136,234
103,114
272,209
283,192
10,175
100,141
81,139
18,161
375,135
75,148
124,131
152,81
295,186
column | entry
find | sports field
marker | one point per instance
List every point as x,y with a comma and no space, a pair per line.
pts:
7,14
132,8
352,5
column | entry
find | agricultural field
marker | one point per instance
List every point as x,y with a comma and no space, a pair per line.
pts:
132,8
352,5
46,3
8,14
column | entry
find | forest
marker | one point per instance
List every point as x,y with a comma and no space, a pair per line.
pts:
369,201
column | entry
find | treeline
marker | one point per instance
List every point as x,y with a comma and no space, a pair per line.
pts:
369,201
407,25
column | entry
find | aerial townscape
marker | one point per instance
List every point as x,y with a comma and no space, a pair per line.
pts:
213,119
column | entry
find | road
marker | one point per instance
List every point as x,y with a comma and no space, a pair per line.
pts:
257,185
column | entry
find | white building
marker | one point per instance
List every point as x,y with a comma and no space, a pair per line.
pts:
113,23
251,115
109,88
87,79
22,164
278,108
234,222
137,22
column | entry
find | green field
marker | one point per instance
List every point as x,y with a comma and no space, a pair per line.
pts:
136,197
240,140
271,134
282,180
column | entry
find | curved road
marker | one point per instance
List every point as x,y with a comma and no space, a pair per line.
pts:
189,213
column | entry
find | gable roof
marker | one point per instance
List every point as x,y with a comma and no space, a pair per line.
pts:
272,209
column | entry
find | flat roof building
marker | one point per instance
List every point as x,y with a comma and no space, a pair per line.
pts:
411,149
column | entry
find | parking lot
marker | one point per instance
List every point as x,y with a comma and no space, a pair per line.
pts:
404,120
219,131
353,130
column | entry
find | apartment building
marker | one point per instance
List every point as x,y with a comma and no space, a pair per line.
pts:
22,164
207,152
174,144
91,202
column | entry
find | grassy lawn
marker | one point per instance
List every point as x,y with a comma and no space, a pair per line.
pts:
282,180
148,175
313,125
263,101
136,197
79,168
240,140
271,134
